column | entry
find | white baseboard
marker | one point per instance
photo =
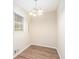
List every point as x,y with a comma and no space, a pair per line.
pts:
59,53
21,51
45,46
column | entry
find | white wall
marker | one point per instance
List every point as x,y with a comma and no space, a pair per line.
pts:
43,30
21,38
61,30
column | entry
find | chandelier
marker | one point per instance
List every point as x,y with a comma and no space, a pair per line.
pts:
36,11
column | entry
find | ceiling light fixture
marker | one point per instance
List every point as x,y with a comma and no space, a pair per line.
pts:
36,11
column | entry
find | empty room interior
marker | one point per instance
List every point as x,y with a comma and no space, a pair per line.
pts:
39,29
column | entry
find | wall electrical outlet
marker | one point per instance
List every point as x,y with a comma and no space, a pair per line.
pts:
15,51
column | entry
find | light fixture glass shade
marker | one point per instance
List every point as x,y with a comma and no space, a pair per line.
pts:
36,12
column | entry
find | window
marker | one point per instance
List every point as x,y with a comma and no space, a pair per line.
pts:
18,22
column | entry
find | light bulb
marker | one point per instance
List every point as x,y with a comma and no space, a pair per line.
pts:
30,13
34,14
40,10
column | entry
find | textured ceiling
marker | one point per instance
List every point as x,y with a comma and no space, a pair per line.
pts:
47,5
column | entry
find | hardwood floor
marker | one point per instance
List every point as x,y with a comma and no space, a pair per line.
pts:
38,52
